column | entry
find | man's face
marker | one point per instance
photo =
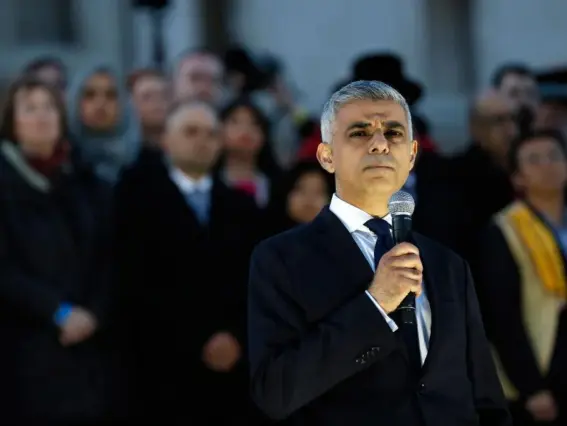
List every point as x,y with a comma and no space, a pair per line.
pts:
552,115
495,126
371,152
199,78
520,91
151,98
542,167
192,139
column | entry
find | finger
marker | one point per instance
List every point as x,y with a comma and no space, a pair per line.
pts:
411,274
411,285
403,248
408,260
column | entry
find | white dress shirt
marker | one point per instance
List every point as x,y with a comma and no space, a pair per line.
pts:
354,219
188,185
197,193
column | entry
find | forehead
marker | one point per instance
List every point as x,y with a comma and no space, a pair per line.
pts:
49,71
149,82
100,79
514,79
192,115
368,110
34,94
200,64
537,145
494,105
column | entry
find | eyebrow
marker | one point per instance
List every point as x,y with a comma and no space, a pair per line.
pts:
358,125
392,124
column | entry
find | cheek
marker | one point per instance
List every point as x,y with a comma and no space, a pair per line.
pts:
85,110
112,109
293,204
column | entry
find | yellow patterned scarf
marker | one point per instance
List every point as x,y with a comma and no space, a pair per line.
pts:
542,246
542,286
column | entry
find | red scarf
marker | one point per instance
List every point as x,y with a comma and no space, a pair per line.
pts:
248,187
49,166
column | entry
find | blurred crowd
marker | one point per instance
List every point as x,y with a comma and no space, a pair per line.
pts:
129,207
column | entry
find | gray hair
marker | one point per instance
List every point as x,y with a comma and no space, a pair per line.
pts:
358,91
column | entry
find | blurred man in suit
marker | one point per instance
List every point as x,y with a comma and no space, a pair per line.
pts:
184,240
327,346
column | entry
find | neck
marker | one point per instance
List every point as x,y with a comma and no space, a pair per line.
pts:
192,173
375,206
238,168
551,206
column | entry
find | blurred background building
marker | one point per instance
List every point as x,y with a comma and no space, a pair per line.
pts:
451,47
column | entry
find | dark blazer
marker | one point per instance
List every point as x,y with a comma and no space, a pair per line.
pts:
55,247
322,354
182,283
501,281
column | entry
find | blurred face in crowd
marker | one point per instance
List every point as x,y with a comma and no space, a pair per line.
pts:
52,75
150,96
494,125
100,108
371,152
542,167
552,115
309,195
192,139
37,122
520,90
242,133
199,77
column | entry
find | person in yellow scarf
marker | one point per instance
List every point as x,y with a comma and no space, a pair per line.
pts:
522,283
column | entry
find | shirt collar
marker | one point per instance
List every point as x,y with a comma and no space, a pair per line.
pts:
188,185
352,217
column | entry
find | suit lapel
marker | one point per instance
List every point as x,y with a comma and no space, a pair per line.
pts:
352,274
348,268
435,278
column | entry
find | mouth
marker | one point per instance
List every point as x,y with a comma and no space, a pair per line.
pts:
379,167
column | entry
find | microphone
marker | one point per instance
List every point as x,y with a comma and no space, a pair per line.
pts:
401,207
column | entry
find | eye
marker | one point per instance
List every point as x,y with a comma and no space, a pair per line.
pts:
358,134
393,134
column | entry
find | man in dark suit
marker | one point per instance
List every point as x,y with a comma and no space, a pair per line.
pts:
326,345
184,242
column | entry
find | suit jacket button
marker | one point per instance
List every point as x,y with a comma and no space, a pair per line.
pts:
422,387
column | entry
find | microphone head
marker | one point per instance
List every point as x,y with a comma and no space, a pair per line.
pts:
401,203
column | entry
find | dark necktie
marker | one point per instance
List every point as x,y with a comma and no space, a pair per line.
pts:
408,332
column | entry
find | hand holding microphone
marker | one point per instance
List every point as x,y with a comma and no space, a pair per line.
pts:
398,274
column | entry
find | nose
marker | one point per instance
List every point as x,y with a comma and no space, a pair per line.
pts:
378,144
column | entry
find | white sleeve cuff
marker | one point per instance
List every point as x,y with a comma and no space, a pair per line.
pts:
391,323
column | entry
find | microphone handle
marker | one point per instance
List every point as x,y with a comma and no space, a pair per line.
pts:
401,227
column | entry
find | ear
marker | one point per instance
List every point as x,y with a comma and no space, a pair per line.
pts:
413,154
325,157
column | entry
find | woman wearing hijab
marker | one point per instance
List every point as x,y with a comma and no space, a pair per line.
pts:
102,123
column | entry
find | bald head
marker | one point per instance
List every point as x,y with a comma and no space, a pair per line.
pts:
190,111
490,103
192,138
